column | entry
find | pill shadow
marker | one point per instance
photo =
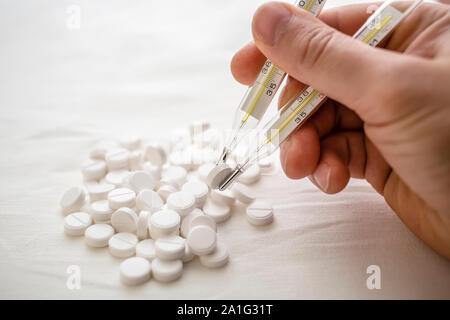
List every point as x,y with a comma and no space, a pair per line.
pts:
264,228
73,239
152,283
97,249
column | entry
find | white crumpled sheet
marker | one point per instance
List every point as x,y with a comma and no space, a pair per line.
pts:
153,66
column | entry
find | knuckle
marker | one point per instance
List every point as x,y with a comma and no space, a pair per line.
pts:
313,45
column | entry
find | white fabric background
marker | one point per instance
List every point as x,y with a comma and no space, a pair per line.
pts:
152,66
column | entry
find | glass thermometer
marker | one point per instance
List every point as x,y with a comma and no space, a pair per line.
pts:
377,28
259,96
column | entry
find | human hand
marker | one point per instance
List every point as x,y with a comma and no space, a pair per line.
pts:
388,116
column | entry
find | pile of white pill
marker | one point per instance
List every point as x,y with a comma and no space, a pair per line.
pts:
156,204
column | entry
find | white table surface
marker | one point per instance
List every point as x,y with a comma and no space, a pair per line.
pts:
153,66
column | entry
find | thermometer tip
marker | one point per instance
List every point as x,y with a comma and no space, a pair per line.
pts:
231,178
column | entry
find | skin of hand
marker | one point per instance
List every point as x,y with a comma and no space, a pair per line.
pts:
388,116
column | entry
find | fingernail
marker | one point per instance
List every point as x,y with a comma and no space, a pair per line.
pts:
322,176
269,22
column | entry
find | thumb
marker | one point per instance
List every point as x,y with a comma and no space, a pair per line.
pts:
312,52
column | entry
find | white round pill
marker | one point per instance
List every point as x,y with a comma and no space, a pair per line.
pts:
166,271
181,202
135,160
218,258
100,151
205,155
89,183
260,212
140,180
93,169
155,154
169,182
186,223
117,159
180,136
216,210
146,249
243,193
206,139
149,200
265,163
122,197
250,175
165,191
170,248
72,200
124,220
123,245
99,191
192,176
155,171
198,189
117,178
98,235
176,174
202,240
182,158
142,225
164,223
100,211
188,255
134,271
204,170
86,206
130,142
226,197
75,224
218,175
203,220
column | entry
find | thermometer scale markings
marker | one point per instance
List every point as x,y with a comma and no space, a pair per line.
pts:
258,97
260,93
314,92
309,5
375,31
294,114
